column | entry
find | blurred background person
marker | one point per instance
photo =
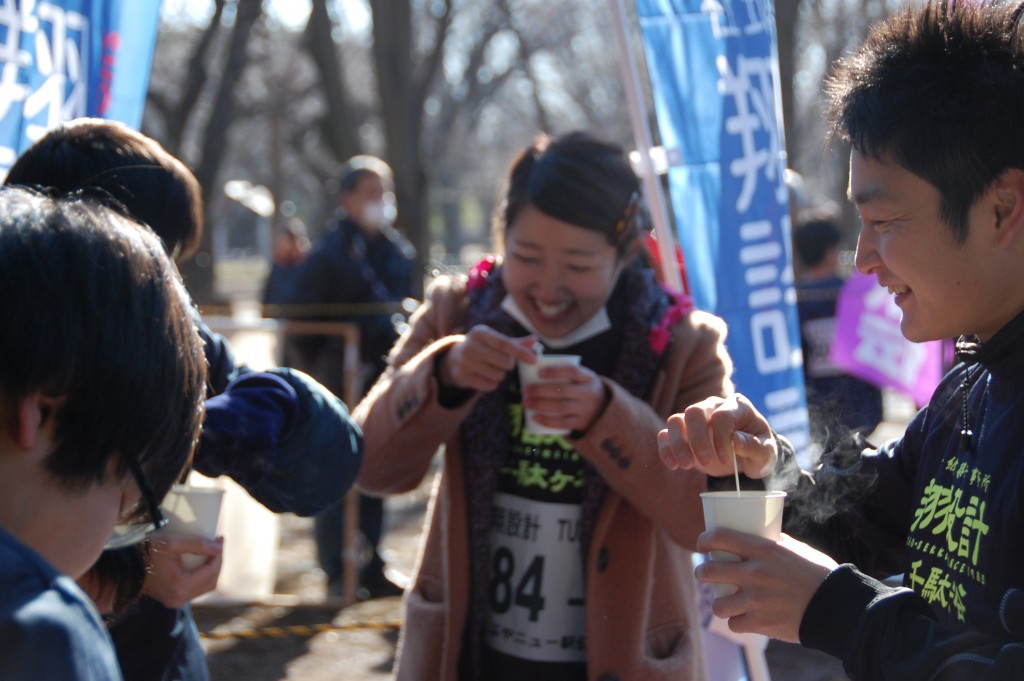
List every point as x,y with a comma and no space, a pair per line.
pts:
359,271
837,403
291,247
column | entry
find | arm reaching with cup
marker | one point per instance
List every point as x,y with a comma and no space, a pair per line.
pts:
775,581
771,581
709,433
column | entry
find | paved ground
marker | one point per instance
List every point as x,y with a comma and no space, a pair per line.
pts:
319,640
297,635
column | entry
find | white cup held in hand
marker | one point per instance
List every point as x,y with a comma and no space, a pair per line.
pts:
192,510
528,375
752,511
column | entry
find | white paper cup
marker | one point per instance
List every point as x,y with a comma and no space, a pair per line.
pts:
192,510
752,511
528,375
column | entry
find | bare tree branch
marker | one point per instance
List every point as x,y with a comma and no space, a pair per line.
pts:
195,79
215,137
476,90
161,102
339,124
431,66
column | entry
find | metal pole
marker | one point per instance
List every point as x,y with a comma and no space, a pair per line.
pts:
642,133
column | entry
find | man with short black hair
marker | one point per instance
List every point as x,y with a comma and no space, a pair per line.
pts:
931,105
282,436
95,315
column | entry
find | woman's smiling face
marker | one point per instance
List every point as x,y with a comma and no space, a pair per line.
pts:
559,275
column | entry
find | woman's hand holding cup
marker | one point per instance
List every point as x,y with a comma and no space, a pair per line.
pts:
561,397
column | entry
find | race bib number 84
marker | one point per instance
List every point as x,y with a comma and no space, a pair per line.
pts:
535,592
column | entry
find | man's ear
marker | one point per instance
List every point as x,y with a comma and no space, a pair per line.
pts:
34,419
1008,194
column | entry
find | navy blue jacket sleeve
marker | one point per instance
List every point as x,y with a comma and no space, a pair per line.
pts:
285,438
857,510
221,367
896,638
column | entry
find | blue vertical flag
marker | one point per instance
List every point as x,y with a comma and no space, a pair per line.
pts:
714,74
64,59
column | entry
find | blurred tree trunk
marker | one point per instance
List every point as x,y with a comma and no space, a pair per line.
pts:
198,272
402,85
179,115
786,13
340,123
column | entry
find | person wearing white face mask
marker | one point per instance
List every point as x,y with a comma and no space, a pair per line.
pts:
359,271
377,214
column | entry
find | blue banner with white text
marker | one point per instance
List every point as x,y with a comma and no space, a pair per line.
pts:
64,59
714,73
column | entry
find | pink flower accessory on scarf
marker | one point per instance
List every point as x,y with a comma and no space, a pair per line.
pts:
661,334
479,273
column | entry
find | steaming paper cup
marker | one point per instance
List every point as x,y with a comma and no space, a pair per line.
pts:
528,375
751,511
192,510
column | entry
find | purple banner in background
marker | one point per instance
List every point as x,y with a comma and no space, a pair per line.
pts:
868,342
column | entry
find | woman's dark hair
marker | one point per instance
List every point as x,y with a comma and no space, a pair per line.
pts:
119,574
938,88
92,155
579,179
96,316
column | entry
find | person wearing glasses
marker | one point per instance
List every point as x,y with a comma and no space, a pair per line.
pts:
281,435
95,315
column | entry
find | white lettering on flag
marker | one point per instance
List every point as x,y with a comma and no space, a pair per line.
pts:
751,87
57,63
723,19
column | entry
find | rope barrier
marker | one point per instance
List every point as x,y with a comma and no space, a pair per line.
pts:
320,311
327,310
297,630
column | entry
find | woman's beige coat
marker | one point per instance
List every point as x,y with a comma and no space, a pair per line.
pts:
642,622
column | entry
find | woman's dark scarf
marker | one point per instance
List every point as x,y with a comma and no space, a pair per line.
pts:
485,432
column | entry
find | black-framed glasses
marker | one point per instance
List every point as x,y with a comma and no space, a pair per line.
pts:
128,534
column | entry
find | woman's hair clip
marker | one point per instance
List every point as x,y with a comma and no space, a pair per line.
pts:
628,219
